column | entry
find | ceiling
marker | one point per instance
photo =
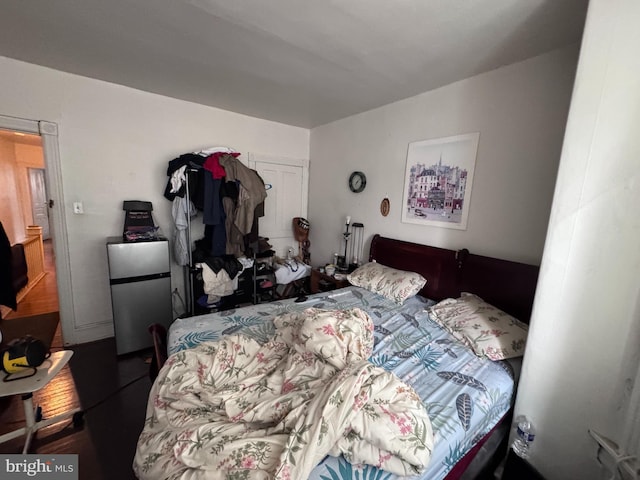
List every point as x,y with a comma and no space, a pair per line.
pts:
298,62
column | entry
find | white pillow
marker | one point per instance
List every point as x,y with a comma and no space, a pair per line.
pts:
488,331
396,285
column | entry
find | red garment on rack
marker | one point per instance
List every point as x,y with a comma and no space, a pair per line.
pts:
212,163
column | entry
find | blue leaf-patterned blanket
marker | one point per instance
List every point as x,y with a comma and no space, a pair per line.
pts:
465,396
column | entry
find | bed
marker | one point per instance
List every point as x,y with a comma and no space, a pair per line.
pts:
467,397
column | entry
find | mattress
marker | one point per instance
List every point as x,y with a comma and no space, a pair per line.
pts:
465,396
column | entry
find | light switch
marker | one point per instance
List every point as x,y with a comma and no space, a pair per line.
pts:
77,207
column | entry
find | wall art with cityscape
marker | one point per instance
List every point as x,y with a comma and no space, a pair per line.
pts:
438,180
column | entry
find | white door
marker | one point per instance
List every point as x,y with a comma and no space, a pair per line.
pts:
39,205
287,189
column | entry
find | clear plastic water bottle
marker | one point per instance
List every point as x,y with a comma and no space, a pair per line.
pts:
524,436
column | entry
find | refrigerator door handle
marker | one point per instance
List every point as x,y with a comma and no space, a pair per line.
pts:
142,278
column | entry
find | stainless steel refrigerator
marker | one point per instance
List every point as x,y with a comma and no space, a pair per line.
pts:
140,278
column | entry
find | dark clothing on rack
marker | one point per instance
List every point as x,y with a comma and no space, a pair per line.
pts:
213,211
189,160
228,263
216,237
197,188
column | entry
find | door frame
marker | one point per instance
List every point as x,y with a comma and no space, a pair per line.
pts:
48,131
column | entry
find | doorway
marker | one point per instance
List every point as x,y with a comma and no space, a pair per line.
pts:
48,134
39,202
22,177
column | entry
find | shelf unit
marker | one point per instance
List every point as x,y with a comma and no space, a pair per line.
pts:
263,274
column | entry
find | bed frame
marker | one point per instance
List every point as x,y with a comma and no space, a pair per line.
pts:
510,286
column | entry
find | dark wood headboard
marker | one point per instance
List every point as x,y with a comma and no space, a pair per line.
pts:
510,286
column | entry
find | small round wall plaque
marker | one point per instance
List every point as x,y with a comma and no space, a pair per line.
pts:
385,207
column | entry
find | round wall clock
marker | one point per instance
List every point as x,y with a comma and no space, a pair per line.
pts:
357,182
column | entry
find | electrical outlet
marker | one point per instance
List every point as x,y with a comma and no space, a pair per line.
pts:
77,208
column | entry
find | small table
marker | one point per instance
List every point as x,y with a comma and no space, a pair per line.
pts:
321,282
26,386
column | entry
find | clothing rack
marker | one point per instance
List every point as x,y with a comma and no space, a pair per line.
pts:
189,269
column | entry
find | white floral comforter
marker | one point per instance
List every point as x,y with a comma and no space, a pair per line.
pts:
234,409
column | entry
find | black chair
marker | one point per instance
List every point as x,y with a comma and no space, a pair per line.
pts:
159,335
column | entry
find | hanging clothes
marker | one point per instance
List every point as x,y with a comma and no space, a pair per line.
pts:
176,182
235,244
212,163
182,208
177,179
230,195
214,216
251,191
213,211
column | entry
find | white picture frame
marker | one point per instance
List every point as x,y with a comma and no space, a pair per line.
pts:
438,181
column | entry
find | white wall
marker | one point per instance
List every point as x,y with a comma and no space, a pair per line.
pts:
584,342
115,143
520,112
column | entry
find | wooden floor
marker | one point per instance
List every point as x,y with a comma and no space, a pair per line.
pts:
112,391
